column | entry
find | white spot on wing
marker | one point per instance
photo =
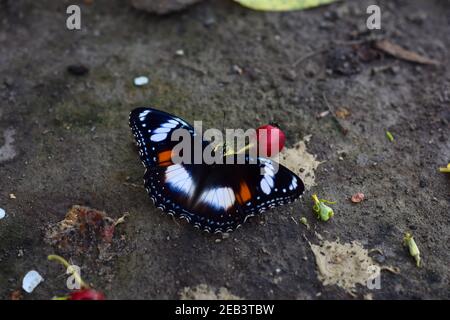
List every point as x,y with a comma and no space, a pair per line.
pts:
169,125
179,179
158,137
265,186
220,198
143,114
161,130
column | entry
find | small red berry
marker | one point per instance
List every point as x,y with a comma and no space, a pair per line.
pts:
86,294
270,140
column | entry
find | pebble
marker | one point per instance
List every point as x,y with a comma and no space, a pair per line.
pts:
2,213
31,281
380,258
140,81
78,69
422,183
237,69
179,52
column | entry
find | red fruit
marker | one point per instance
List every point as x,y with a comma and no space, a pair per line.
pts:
86,294
270,140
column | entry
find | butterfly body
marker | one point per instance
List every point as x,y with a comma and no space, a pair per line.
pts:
216,197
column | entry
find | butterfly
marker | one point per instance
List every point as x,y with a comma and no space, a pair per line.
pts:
213,197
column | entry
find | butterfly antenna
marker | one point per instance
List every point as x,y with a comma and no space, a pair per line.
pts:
224,148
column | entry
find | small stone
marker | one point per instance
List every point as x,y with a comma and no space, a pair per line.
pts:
31,281
179,52
209,21
322,114
379,258
238,70
78,69
289,75
140,81
422,183
12,196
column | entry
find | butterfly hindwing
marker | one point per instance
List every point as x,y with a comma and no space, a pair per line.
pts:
219,198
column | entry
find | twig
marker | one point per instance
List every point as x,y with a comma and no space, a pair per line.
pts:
343,129
326,48
133,185
309,55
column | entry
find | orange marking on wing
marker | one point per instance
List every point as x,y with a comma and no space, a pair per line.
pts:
165,158
244,193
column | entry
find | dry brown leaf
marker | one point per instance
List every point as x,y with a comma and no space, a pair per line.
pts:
342,113
16,295
358,197
401,53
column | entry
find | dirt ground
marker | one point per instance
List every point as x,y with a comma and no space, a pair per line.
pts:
66,141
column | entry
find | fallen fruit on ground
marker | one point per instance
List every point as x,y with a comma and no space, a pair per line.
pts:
270,139
322,211
86,294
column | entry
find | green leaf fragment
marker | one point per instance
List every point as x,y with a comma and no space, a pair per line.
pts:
445,170
304,221
389,136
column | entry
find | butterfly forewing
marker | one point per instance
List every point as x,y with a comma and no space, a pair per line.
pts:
152,130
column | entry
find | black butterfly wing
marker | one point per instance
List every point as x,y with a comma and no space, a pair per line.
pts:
220,197
152,130
270,185
193,192
216,198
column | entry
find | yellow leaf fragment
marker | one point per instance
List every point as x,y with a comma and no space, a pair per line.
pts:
412,246
282,5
